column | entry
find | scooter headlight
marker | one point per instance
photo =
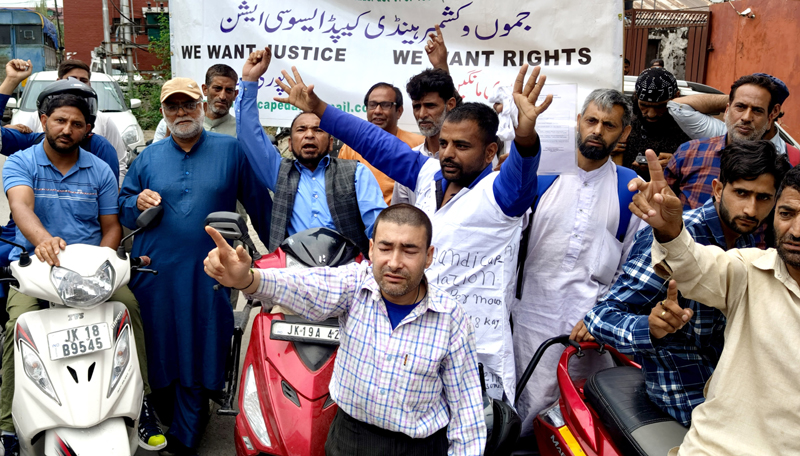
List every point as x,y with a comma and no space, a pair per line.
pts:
76,290
35,371
122,356
252,408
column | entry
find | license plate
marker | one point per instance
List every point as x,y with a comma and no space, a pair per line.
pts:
302,332
78,341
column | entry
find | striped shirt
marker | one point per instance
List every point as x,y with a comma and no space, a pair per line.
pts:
675,367
415,379
692,169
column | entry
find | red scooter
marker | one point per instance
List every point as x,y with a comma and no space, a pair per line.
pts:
607,414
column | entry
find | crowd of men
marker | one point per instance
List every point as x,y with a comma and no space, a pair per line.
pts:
572,253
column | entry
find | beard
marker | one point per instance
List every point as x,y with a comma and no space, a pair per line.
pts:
738,137
790,258
186,131
731,221
399,289
220,111
436,124
61,149
592,152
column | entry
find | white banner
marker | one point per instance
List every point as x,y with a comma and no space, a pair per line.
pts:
343,47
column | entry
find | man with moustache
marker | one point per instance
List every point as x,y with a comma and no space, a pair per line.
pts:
579,238
753,105
314,189
188,323
406,375
679,345
384,103
479,212
61,194
752,405
220,91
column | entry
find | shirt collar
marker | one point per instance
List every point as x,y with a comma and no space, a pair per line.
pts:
215,122
199,143
714,224
41,157
326,160
772,261
371,286
486,171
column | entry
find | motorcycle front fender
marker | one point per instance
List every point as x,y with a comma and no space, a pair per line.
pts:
112,437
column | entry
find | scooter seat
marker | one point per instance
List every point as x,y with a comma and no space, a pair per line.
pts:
636,424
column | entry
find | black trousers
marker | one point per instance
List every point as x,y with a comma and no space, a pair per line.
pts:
350,437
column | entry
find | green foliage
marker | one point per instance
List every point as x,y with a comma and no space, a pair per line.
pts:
148,115
160,47
149,92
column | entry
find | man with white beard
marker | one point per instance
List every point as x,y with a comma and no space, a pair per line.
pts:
188,324
753,104
433,95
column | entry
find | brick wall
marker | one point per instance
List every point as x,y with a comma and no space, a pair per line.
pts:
83,28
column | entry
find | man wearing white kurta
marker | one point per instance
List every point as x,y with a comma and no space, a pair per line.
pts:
476,214
573,253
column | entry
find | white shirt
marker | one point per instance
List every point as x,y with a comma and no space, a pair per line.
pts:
573,259
697,125
104,127
403,194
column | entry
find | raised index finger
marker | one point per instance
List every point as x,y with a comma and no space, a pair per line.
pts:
656,172
220,241
438,30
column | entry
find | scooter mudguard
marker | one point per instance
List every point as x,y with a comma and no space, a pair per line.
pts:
79,392
109,438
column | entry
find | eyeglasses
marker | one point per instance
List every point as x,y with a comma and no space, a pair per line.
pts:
189,106
383,104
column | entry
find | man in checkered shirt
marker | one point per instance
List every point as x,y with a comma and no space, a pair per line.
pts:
679,355
754,103
406,375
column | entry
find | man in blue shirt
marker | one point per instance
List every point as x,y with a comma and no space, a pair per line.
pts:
314,189
476,214
60,194
679,344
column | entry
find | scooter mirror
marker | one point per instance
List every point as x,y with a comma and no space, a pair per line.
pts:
150,218
229,224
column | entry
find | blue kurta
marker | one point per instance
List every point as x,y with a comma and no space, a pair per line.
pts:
188,326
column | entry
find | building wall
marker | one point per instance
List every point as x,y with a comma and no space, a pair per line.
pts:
764,44
83,28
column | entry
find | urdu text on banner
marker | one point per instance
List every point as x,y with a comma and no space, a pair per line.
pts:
344,47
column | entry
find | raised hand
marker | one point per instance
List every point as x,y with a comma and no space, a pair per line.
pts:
667,316
525,99
436,50
229,267
16,71
655,203
300,96
256,64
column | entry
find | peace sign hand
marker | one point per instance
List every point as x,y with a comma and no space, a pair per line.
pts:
655,203
525,99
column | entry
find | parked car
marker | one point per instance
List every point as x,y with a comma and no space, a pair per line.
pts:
693,88
110,100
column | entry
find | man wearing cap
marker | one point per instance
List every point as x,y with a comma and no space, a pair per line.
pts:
652,127
188,323
753,105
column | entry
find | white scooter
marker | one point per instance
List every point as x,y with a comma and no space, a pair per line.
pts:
78,388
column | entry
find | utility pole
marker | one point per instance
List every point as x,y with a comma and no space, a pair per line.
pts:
125,21
60,35
106,37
